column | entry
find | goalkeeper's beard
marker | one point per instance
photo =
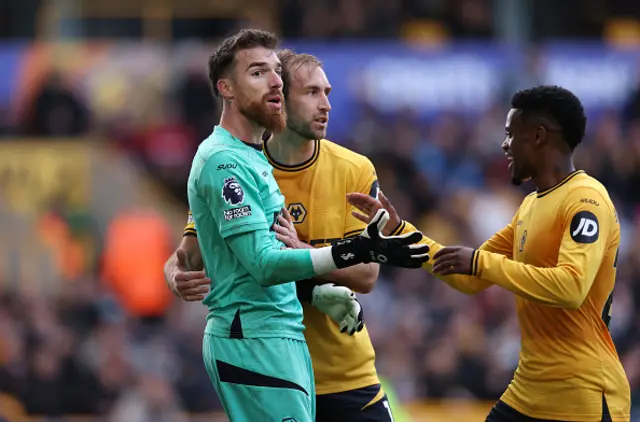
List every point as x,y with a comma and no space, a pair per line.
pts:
271,119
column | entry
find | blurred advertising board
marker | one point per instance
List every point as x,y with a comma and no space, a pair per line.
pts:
38,179
36,174
384,76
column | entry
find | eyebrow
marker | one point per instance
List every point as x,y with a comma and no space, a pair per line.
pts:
256,64
262,64
318,87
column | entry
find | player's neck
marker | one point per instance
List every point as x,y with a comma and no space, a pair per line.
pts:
241,127
289,148
553,173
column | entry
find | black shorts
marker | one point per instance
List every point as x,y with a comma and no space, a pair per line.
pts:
503,413
349,406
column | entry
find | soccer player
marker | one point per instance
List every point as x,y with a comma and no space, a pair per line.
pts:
558,256
347,385
254,348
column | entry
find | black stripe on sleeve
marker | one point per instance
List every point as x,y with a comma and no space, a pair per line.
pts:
474,262
399,229
352,233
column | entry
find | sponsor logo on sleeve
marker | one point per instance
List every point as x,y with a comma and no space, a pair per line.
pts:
235,213
584,227
590,201
226,166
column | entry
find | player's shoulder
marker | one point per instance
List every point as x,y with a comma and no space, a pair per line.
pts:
343,157
589,207
588,189
577,186
528,200
589,199
220,149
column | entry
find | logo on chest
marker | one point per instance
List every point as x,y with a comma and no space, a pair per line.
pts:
298,212
523,240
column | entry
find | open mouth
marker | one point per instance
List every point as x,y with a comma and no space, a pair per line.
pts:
510,160
275,100
322,120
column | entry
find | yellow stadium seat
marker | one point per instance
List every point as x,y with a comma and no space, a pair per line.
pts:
622,32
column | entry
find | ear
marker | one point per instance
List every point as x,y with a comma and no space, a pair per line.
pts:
540,135
225,88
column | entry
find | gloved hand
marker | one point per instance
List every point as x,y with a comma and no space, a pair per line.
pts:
372,246
341,305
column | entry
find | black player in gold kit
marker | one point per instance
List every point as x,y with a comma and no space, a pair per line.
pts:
558,255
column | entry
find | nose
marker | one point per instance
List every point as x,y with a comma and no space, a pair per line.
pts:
506,144
276,81
325,105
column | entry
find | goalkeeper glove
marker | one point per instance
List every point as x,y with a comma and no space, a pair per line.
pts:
341,305
372,246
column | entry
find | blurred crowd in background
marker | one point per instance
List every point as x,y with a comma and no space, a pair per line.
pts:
299,19
91,328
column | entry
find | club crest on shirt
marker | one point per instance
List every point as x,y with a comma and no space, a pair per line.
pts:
232,191
298,212
523,240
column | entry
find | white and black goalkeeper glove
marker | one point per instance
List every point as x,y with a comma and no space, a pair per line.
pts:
341,305
372,246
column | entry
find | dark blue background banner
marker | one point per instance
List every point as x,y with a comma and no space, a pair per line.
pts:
390,77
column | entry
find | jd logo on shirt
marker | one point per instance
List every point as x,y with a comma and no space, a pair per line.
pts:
584,227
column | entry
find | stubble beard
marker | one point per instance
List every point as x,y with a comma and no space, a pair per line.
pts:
303,129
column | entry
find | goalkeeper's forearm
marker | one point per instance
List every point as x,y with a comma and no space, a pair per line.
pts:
360,278
269,265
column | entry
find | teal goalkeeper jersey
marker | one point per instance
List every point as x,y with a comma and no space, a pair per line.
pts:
235,201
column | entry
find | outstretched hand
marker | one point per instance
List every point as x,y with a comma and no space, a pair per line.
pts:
453,260
369,207
373,246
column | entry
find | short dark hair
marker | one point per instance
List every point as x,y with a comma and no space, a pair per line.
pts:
222,60
558,104
292,61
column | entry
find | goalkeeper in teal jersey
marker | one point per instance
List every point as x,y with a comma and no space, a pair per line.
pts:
254,349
